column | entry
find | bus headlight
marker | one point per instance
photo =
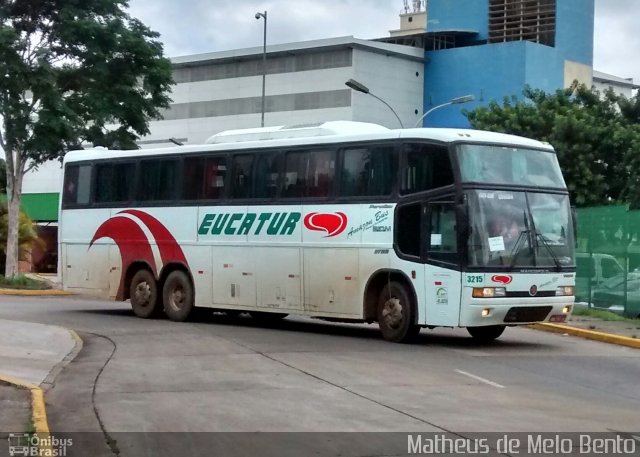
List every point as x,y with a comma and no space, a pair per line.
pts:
489,292
565,290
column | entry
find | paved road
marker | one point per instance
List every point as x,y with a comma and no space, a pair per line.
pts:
308,375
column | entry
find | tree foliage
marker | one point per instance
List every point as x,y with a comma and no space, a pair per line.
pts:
596,136
73,72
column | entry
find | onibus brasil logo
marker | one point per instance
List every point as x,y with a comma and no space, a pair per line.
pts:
34,445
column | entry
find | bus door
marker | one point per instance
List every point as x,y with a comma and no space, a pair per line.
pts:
442,270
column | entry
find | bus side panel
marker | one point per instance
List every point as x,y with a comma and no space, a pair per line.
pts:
234,275
331,238
276,256
279,277
442,296
331,281
84,269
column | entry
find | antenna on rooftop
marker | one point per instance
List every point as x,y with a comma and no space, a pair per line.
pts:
406,6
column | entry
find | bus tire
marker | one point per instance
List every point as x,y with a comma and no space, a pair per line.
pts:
397,313
178,296
143,292
486,334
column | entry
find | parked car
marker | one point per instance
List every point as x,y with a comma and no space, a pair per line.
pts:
595,269
610,295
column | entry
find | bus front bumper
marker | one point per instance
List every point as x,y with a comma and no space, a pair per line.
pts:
508,311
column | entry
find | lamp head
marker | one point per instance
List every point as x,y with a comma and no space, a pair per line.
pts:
464,99
355,85
258,15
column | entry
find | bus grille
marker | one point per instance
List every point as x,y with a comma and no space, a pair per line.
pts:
527,314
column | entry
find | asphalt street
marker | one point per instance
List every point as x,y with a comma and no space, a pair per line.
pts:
305,375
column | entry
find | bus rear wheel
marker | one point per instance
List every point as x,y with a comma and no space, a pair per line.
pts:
396,314
178,296
144,295
486,334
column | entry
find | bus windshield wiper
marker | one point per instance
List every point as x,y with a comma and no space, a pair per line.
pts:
515,250
551,253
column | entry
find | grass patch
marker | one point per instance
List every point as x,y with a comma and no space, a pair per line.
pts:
601,314
23,282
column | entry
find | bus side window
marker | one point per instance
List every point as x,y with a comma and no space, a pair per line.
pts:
267,171
193,178
442,237
158,179
408,231
242,176
77,185
113,182
309,173
426,167
215,177
367,172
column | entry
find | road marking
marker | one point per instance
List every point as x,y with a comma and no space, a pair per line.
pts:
478,378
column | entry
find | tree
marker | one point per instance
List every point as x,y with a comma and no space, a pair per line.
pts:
596,143
72,72
26,234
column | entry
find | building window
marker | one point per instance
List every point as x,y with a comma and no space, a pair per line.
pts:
522,20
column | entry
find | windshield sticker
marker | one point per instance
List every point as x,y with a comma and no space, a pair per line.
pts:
496,243
489,195
436,239
505,196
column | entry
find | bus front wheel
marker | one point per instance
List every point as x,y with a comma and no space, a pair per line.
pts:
486,334
178,296
396,314
144,295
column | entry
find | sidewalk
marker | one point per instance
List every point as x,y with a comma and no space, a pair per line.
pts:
623,333
31,355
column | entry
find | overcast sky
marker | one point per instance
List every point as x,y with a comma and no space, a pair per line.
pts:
195,26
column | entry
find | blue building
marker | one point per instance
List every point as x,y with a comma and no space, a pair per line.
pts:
493,48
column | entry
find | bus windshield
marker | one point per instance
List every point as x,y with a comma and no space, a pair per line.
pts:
520,229
509,165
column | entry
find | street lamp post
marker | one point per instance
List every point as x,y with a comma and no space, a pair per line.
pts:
454,101
264,60
359,87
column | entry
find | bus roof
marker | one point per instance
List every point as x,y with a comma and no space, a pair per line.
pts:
311,134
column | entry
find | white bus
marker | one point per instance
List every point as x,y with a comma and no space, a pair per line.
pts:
342,220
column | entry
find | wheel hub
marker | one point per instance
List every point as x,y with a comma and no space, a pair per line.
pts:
392,313
143,293
177,299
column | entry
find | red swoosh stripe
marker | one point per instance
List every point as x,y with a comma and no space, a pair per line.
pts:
170,250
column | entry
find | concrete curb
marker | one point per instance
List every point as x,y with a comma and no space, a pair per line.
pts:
32,293
589,334
38,408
